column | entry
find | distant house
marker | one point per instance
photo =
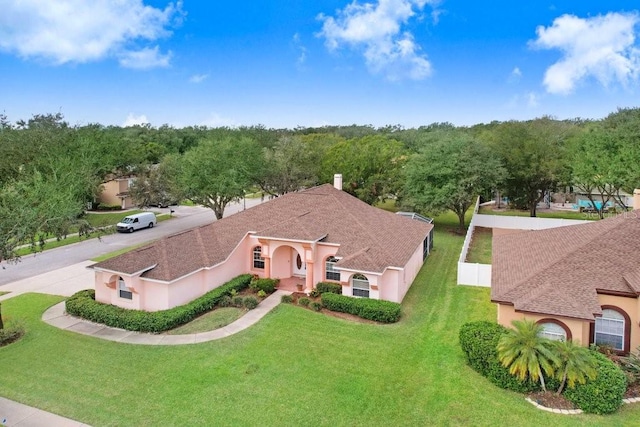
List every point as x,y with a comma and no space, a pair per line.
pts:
320,234
580,282
115,191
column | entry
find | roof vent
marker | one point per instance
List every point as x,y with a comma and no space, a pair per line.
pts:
337,181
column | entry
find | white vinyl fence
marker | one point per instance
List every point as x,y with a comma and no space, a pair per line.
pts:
475,274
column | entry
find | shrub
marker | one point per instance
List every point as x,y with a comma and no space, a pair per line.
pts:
604,394
225,301
107,207
631,365
266,285
334,288
10,334
238,301
314,293
479,341
250,302
82,304
262,293
371,309
287,299
304,301
316,306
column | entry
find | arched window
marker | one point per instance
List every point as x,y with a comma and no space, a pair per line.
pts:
610,329
258,261
330,273
123,291
553,331
360,285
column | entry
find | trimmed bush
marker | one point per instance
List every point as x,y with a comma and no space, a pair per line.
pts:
10,334
371,309
262,293
238,301
225,301
287,299
479,341
304,301
334,288
250,302
316,306
83,304
266,285
314,293
604,394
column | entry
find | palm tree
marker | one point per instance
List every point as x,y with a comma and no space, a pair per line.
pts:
525,353
575,364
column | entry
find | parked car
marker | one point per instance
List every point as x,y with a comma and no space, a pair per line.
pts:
135,222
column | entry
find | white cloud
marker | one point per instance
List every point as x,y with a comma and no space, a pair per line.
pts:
144,59
377,29
215,120
602,47
133,120
302,50
198,78
515,76
532,100
79,31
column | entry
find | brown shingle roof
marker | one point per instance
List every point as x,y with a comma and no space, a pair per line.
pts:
370,239
560,271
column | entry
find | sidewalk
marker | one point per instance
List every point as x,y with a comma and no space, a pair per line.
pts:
56,316
16,414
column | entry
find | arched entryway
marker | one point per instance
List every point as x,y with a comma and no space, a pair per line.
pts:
288,264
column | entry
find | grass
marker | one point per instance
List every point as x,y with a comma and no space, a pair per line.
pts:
480,247
209,321
294,367
116,253
3,293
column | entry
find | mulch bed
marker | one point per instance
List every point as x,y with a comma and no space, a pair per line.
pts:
632,391
550,399
339,315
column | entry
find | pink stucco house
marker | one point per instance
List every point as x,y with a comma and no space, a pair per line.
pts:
320,234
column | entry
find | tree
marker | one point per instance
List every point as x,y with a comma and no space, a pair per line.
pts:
533,154
370,166
291,164
525,353
598,166
450,174
216,172
575,364
153,187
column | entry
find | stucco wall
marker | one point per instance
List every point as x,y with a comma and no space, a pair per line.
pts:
579,328
108,194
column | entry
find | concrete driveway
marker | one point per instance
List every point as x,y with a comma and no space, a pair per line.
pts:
65,281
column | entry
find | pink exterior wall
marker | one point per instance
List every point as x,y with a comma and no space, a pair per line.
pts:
153,296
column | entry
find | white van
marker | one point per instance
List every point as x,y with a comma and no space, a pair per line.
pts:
135,222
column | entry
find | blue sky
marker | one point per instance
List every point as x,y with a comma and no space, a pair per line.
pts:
302,63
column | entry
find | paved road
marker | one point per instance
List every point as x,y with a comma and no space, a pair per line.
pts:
185,218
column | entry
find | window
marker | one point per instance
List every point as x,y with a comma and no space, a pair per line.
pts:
258,261
553,331
610,329
330,271
360,286
123,291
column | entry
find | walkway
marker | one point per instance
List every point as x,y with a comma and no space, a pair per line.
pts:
57,317
16,414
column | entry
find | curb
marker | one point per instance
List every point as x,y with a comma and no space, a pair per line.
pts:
574,411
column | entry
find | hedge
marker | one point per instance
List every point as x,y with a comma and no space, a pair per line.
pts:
602,395
334,288
266,285
372,309
83,304
479,341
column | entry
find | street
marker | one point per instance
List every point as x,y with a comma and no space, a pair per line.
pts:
186,217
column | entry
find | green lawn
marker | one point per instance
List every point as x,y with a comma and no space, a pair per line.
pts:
480,247
294,367
209,321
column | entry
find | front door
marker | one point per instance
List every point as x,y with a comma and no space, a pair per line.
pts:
299,266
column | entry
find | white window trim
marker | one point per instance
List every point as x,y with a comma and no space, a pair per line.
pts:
329,268
360,284
616,318
553,331
254,260
122,287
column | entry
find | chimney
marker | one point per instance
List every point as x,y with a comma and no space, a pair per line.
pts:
636,198
337,182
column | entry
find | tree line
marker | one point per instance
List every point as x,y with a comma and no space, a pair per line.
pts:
50,171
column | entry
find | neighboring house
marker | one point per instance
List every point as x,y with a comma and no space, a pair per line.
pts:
320,234
581,282
116,192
